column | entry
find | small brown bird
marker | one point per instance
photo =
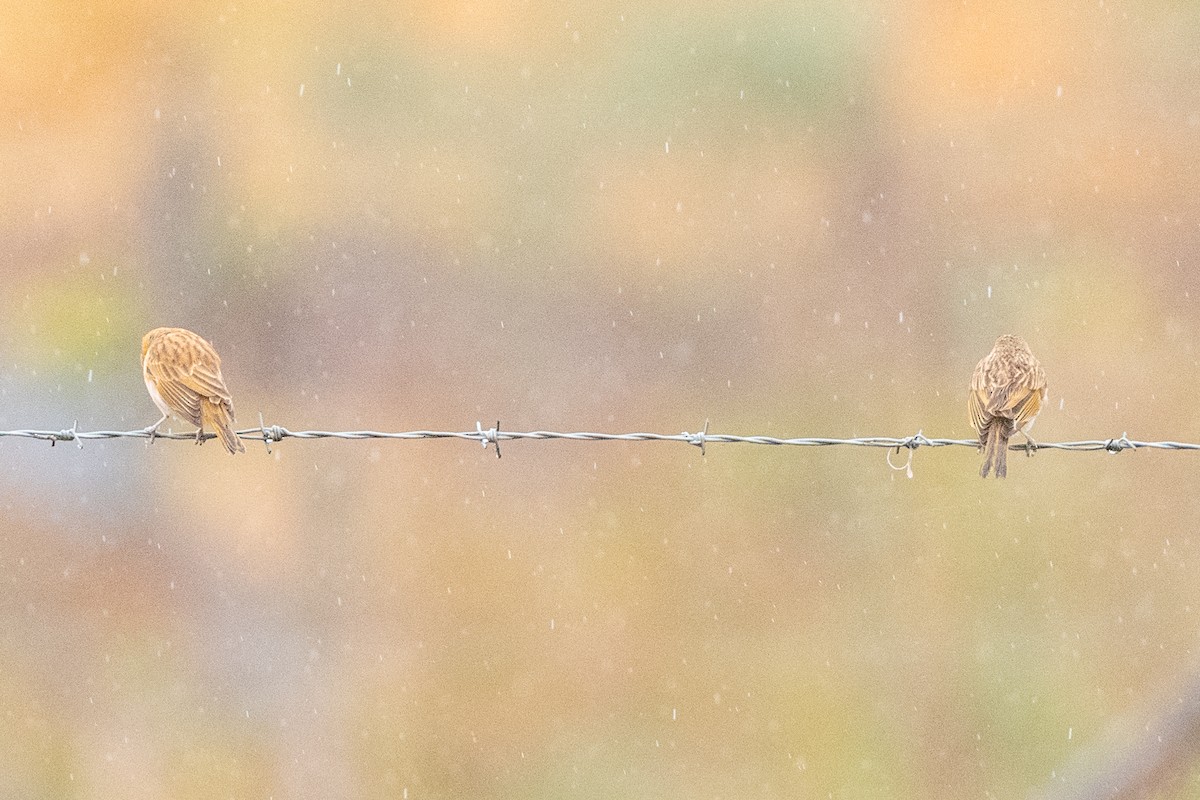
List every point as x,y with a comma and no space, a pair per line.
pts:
1007,391
183,376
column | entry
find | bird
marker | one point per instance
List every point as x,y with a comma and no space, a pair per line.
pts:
1008,388
183,376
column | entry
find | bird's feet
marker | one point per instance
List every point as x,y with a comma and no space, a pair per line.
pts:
1030,445
152,431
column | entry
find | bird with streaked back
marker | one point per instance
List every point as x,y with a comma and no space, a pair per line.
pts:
183,375
1008,388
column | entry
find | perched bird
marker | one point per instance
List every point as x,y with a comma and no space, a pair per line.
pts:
183,376
1007,391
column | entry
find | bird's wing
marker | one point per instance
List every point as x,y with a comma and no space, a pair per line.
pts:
176,387
1023,398
208,382
976,409
977,400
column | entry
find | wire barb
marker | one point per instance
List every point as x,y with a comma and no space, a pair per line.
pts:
1117,445
913,442
262,426
909,443
697,439
65,435
490,436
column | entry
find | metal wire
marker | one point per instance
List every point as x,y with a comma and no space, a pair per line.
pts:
493,436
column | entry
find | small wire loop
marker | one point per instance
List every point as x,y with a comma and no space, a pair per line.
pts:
910,445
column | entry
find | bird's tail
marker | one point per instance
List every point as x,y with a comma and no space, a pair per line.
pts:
995,448
221,419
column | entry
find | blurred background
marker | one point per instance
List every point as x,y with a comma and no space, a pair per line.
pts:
791,219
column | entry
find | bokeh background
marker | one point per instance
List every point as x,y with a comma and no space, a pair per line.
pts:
791,219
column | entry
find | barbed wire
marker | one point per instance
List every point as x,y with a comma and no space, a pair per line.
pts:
492,436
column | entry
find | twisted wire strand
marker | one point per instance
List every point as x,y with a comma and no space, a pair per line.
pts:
269,434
